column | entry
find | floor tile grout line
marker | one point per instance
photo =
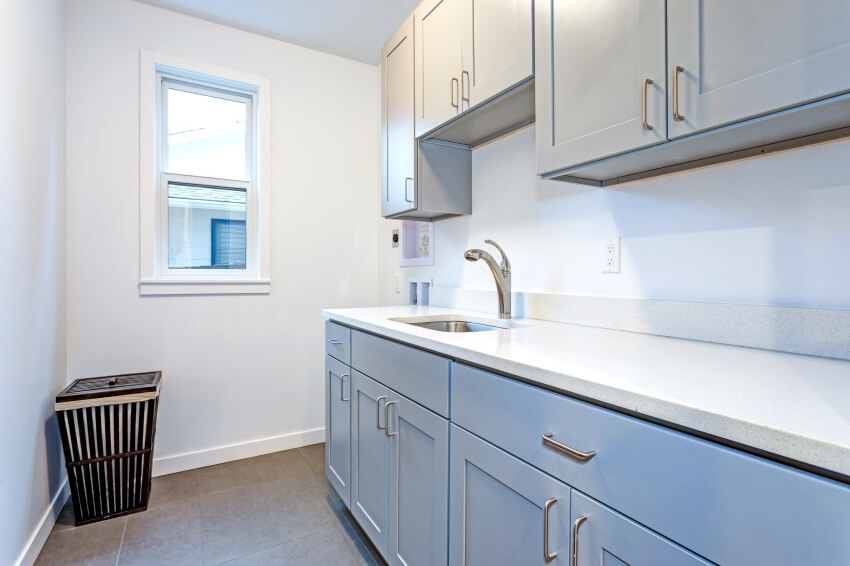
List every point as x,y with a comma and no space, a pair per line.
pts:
121,544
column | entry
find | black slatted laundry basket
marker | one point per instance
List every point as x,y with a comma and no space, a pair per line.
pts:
108,426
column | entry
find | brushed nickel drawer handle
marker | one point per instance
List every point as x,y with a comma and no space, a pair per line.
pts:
335,342
572,452
576,525
378,423
454,91
547,556
646,83
387,419
342,387
676,70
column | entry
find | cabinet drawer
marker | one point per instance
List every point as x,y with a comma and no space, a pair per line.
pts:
418,375
338,341
727,506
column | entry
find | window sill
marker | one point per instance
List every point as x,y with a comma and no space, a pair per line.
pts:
205,287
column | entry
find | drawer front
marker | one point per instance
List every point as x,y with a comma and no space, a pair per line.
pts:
338,341
417,375
727,506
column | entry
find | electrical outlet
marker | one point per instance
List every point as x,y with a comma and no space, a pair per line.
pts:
612,256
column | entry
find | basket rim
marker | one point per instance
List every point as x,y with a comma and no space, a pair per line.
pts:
65,396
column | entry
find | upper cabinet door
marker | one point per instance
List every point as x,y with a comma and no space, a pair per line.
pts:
497,47
439,33
600,79
740,59
398,173
602,536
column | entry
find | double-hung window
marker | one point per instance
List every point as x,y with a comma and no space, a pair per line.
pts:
204,194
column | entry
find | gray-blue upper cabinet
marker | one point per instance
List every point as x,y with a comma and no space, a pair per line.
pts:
735,59
418,484
503,511
398,174
602,536
439,62
369,458
600,79
338,426
467,51
498,50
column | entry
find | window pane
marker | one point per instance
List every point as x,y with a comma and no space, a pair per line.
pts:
206,135
206,227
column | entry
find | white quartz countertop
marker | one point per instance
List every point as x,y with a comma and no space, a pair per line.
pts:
794,406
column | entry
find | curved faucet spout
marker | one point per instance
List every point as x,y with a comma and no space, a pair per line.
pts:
501,273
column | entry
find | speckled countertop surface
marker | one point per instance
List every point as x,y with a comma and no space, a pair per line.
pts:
794,406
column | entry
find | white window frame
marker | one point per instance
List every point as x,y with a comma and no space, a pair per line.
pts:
156,278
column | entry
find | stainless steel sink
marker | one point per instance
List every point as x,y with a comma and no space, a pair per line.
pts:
454,326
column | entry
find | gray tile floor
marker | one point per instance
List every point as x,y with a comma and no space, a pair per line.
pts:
269,510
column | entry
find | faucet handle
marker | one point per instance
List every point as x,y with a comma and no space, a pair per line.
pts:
506,265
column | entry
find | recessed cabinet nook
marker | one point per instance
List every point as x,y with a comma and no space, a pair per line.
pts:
619,91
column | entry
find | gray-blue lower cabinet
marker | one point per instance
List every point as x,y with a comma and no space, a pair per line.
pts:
399,474
498,508
419,484
602,536
369,459
338,426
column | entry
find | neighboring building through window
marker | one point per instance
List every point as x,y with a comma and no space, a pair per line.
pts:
228,243
209,223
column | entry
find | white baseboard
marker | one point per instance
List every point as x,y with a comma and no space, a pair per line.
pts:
221,454
39,535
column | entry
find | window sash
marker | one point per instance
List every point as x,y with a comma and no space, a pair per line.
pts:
166,81
251,250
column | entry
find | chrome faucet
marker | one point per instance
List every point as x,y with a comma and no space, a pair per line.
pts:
502,274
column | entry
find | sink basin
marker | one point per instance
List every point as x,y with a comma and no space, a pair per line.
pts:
455,326
455,323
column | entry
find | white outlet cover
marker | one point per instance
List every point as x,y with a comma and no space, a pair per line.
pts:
611,263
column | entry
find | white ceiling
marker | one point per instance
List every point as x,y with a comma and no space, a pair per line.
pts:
356,29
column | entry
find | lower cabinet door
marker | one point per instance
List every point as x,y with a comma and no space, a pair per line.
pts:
419,484
603,536
369,459
503,511
338,427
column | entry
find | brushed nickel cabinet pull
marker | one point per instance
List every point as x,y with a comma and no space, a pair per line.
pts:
646,83
547,556
387,418
335,342
406,179
453,91
465,87
342,387
676,116
571,452
576,525
378,417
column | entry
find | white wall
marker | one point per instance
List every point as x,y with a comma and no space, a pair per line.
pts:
770,231
236,369
32,295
